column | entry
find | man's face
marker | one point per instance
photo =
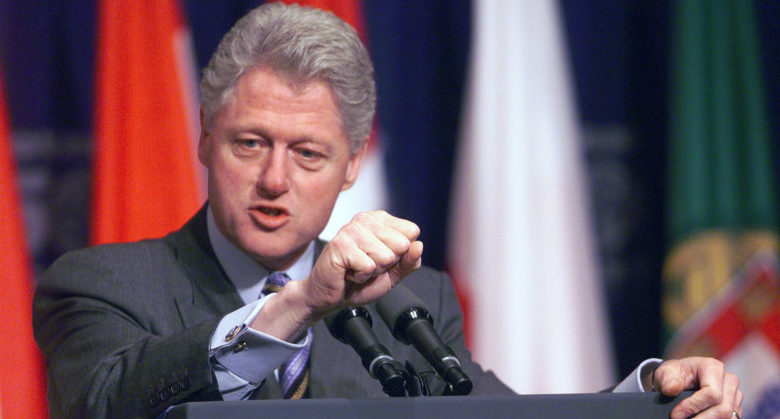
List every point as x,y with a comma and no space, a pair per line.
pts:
278,157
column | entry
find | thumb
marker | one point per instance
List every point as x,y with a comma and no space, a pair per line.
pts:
411,260
671,378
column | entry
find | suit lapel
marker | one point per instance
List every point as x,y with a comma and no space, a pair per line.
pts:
212,294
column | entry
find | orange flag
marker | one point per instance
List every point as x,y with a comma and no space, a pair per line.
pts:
145,177
22,373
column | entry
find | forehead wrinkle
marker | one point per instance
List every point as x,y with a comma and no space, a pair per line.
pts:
255,96
300,84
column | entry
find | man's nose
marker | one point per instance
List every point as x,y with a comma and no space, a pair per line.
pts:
275,178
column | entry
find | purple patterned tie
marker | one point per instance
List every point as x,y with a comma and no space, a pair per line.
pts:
293,373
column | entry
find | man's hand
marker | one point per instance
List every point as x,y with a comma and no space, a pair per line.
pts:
718,395
364,261
368,256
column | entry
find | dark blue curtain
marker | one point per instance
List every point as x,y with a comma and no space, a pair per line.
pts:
618,52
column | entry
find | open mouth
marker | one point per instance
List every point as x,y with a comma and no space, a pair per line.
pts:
270,218
274,212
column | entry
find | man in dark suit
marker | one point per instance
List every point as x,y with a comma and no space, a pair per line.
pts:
288,100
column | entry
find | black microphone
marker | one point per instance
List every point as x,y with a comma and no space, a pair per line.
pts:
352,325
411,323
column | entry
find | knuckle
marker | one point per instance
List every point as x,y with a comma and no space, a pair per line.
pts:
733,378
360,217
712,395
364,269
414,229
687,409
667,365
354,232
346,230
714,363
339,243
409,230
398,243
369,263
662,370
385,257
723,411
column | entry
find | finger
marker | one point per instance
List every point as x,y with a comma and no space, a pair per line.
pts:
407,228
731,387
732,394
715,398
385,253
724,409
380,242
394,240
411,260
674,376
668,378
395,233
349,260
369,291
738,399
382,283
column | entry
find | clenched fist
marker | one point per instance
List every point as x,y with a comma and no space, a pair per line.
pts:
365,259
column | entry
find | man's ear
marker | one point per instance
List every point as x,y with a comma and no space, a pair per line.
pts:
353,166
204,142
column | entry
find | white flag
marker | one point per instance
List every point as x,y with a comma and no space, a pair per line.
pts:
521,233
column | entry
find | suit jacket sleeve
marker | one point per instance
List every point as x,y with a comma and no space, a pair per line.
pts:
115,338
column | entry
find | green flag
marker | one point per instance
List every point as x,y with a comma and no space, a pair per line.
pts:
721,293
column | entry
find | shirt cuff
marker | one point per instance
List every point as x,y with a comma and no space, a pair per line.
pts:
246,353
633,383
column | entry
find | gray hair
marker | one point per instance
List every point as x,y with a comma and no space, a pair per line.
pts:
305,43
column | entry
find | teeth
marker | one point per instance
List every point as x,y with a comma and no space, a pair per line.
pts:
270,211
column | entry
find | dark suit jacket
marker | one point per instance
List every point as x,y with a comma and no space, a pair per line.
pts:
126,329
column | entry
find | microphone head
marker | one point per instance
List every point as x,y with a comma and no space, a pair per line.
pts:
400,306
336,320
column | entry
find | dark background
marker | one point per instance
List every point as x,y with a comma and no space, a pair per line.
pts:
619,55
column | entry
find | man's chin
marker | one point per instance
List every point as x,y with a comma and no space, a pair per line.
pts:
275,258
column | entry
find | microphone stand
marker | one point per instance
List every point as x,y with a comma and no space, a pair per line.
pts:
374,356
396,380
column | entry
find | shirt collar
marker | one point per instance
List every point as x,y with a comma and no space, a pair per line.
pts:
245,273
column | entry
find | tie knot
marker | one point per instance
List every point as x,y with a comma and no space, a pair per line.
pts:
275,282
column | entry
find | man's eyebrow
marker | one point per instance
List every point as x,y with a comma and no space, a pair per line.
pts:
239,128
309,140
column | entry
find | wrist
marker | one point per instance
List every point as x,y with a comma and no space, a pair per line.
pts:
286,315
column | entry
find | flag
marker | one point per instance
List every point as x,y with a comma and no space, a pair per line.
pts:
721,289
368,193
145,181
22,372
522,243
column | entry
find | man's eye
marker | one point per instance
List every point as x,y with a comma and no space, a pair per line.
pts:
309,154
249,143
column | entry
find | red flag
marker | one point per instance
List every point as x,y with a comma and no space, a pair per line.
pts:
145,178
22,373
350,11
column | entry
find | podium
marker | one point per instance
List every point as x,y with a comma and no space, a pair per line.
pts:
546,406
